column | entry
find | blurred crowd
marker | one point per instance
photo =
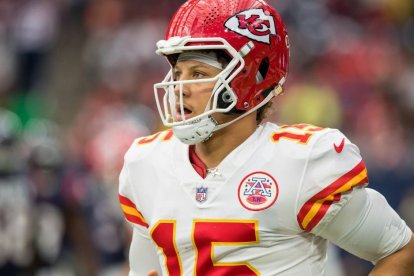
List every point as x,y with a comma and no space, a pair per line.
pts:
76,82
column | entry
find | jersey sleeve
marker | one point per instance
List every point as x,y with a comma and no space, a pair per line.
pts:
334,168
135,160
142,255
126,197
334,202
368,227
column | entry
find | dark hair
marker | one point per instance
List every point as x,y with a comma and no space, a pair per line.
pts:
264,111
223,57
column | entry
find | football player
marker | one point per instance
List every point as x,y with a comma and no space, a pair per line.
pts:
222,193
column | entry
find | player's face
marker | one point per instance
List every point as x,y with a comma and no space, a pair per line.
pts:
195,95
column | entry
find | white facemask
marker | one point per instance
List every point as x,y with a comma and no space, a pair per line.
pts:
198,128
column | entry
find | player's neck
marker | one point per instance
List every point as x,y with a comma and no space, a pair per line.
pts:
224,141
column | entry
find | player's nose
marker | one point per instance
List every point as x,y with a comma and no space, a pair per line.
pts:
182,88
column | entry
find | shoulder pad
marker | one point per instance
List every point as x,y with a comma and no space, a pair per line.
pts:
334,168
145,145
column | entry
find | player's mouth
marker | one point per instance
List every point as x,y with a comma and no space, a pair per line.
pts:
188,112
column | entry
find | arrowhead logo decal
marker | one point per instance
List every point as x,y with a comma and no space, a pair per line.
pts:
254,24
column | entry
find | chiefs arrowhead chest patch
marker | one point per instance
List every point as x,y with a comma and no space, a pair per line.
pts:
258,191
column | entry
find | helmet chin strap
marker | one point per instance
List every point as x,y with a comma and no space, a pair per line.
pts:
196,132
202,129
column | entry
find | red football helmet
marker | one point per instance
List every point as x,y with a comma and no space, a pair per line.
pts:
254,37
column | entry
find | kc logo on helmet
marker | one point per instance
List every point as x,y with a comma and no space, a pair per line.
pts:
254,24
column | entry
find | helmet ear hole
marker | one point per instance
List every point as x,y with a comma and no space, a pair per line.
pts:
262,72
224,99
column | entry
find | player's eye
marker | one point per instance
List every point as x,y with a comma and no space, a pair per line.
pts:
199,75
176,75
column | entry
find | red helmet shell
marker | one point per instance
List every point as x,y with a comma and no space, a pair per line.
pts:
240,22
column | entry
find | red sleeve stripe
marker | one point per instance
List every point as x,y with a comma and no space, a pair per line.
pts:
169,134
125,201
130,211
315,208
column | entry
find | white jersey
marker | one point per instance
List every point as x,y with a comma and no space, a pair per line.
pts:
262,211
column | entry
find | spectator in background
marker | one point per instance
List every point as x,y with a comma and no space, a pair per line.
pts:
35,28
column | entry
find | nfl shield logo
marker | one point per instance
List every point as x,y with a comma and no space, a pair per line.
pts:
201,194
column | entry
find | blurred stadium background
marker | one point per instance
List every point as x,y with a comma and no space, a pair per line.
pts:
76,82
